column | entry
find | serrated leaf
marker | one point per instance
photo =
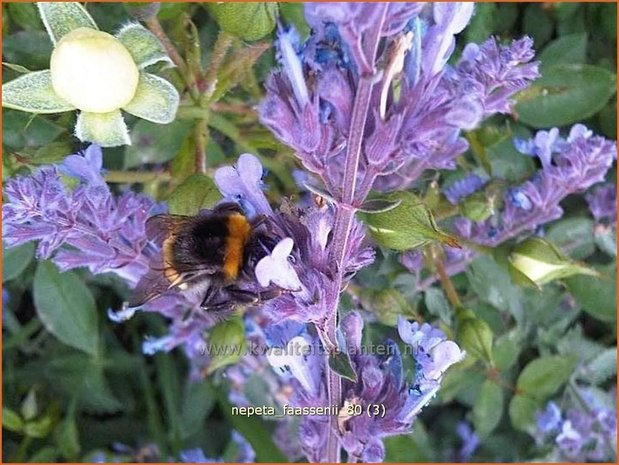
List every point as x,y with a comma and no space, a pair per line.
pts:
566,94
155,100
488,408
408,226
340,363
66,307
143,46
33,93
195,193
15,260
105,129
543,376
11,420
60,18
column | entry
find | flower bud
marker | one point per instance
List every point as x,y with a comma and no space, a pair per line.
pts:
247,21
537,262
93,71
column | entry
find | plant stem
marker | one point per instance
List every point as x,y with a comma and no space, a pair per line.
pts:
201,136
344,216
448,287
222,45
138,177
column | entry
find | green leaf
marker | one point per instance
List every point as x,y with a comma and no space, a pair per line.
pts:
11,420
543,376
537,24
386,304
105,129
25,15
15,260
601,368
67,436
195,193
414,447
60,18
66,307
488,408
226,343
565,94
507,349
33,92
250,21
154,144
39,428
437,304
408,226
597,296
17,68
155,100
340,363
46,454
143,46
474,335
29,408
482,24
197,403
575,235
569,49
142,11
522,411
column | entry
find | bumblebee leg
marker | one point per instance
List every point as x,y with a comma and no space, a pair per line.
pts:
241,295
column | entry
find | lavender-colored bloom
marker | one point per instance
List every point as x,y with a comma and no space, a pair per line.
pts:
403,137
603,203
574,164
470,441
549,419
81,227
463,188
579,435
244,453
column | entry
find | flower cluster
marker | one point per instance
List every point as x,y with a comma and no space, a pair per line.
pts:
99,231
579,435
407,131
380,382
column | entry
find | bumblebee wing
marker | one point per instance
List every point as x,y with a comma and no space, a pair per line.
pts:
160,279
150,286
161,226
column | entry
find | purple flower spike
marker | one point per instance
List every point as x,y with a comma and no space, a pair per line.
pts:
470,441
550,419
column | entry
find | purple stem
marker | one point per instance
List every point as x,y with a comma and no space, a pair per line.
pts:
344,216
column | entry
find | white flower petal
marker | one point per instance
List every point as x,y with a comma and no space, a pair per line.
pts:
155,100
106,129
60,18
33,92
144,47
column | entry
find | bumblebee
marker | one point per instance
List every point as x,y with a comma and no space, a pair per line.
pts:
209,254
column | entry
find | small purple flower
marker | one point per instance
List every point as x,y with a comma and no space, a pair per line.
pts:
244,453
463,188
549,419
603,203
470,441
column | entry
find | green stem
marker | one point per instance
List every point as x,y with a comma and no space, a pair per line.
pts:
446,283
137,177
222,45
22,450
201,135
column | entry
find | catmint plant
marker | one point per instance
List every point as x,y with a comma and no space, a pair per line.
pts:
389,265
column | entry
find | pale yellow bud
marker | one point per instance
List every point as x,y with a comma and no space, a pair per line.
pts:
93,71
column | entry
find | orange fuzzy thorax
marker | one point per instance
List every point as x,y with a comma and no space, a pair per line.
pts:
239,230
